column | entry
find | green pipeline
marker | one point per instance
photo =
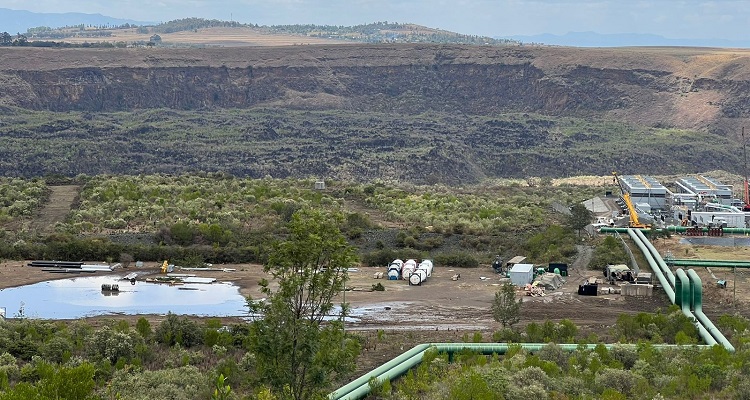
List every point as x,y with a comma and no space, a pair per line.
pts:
678,229
711,263
360,387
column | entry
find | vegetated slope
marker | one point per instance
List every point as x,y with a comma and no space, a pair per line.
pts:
430,113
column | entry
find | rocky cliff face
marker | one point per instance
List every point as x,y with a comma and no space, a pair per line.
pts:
687,88
420,113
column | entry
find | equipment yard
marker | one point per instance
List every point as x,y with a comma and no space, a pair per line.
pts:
441,303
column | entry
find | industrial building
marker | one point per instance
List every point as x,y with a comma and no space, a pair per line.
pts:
705,189
646,193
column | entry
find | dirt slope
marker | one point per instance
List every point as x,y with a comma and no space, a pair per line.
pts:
57,208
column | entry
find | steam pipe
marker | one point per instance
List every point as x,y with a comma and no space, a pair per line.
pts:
659,261
677,229
712,263
690,294
665,284
696,286
360,387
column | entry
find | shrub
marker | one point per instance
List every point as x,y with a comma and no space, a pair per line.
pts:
379,257
112,345
183,383
457,260
57,350
617,379
178,330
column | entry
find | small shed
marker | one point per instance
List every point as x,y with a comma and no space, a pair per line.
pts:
513,261
522,274
320,185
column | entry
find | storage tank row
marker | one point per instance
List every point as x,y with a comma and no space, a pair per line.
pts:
410,270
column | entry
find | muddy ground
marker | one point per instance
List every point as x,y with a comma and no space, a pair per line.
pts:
392,321
439,304
464,304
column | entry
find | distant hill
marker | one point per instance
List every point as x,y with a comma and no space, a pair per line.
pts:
201,32
20,21
593,39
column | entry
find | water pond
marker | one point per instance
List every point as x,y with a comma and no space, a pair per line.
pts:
83,297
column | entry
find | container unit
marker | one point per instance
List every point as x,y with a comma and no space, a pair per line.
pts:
722,219
408,269
394,269
558,268
521,274
645,190
423,271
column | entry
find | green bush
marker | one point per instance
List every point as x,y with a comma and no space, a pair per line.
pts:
456,260
178,330
379,258
609,251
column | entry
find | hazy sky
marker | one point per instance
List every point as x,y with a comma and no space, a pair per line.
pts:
689,19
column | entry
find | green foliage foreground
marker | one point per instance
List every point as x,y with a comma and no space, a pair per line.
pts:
622,372
182,358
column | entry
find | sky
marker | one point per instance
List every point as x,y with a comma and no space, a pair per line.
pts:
676,19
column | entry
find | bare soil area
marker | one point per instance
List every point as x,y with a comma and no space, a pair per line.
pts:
443,310
439,304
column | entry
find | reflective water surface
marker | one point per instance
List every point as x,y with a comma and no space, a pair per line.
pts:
82,297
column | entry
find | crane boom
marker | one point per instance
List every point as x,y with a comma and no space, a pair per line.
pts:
633,213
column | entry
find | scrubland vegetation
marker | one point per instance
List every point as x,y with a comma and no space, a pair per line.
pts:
180,358
219,218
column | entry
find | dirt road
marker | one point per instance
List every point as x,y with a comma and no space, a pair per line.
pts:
57,208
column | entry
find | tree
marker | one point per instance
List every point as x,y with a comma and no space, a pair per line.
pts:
505,308
297,353
580,216
21,40
6,39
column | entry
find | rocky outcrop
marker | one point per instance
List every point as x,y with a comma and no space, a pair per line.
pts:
655,87
416,113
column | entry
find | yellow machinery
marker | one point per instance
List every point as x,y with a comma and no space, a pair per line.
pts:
634,222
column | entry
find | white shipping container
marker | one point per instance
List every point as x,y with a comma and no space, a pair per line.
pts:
522,274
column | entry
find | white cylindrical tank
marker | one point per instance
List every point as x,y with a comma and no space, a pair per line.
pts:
394,269
417,277
427,266
408,268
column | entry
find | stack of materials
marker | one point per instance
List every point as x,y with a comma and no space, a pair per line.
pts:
534,290
69,267
550,281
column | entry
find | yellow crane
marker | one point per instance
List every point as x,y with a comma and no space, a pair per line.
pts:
634,221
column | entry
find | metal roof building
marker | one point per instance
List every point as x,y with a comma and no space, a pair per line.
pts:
706,187
645,189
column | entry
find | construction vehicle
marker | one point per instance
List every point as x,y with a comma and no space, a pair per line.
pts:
633,213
